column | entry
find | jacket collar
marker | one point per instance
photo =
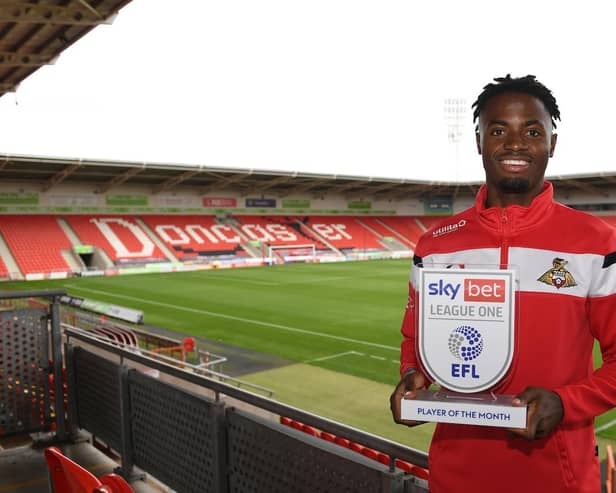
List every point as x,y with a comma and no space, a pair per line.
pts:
518,217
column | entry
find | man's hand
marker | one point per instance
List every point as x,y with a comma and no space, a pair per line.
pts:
545,412
406,390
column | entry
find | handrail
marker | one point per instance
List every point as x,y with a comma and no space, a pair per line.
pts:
198,369
44,293
393,449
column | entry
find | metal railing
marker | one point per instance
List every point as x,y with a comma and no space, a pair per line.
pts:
392,449
202,369
52,297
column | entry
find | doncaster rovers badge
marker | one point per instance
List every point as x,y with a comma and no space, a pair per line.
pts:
558,276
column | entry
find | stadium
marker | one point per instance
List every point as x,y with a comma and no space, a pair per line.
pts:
198,328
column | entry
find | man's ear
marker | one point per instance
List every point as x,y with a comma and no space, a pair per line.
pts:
553,144
478,141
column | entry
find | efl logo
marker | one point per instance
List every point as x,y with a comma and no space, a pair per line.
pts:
490,290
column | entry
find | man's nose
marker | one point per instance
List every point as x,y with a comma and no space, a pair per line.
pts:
515,141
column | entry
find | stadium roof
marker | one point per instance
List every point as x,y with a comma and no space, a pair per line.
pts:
34,33
104,175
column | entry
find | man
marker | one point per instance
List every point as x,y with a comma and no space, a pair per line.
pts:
566,266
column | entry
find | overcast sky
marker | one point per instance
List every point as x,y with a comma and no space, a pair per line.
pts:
350,87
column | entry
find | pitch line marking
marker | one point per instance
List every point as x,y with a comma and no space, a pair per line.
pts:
242,280
605,426
325,358
239,319
353,353
317,279
215,275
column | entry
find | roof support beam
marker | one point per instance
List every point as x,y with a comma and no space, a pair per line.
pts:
171,182
376,191
272,183
17,59
308,185
586,187
473,189
60,176
119,179
349,186
8,87
75,14
223,183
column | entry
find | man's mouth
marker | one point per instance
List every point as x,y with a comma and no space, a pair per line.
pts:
514,165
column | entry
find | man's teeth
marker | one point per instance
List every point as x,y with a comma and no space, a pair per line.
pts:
515,162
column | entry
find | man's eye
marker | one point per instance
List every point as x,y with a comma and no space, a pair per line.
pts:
497,132
534,133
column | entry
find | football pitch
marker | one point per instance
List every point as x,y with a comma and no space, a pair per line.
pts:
338,325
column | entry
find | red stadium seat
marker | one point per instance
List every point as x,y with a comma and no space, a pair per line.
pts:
405,466
115,483
421,473
189,236
284,420
121,237
310,430
4,272
297,425
328,437
356,447
36,242
404,227
343,442
67,476
384,458
416,471
344,232
370,453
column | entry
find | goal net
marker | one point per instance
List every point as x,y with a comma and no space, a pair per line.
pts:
283,254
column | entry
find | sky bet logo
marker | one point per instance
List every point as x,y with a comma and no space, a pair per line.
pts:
485,290
441,289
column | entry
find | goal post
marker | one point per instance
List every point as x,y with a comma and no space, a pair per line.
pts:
283,254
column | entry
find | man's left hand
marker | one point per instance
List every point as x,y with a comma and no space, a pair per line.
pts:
545,412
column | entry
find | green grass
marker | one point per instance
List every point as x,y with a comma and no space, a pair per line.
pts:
301,312
342,317
354,401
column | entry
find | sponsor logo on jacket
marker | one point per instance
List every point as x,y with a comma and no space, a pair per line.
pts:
448,228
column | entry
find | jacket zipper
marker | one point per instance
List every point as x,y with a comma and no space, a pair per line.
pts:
504,250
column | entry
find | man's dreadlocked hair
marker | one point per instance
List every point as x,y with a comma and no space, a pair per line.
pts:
529,85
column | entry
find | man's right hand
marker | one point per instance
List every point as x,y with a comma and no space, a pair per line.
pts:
406,389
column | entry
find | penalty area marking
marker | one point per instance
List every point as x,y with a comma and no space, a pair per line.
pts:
231,317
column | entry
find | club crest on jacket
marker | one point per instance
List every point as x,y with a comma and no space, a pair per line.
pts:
558,276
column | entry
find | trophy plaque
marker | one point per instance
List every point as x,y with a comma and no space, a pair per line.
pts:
466,342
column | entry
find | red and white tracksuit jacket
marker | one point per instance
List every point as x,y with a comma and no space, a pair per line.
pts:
558,320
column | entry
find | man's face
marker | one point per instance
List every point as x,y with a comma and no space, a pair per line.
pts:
515,140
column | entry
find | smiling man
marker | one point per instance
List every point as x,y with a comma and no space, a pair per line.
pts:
565,262
515,138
